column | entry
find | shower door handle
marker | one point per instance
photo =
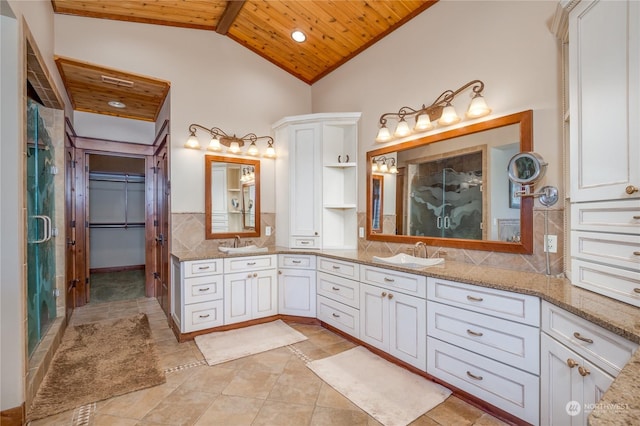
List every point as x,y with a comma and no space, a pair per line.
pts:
46,234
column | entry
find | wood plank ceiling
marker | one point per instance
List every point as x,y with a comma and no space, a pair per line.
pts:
336,30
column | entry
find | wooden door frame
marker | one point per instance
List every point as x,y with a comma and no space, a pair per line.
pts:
162,217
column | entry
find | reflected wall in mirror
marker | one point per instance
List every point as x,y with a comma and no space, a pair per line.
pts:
232,201
452,189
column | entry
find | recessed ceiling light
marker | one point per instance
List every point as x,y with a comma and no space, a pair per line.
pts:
298,36
116,104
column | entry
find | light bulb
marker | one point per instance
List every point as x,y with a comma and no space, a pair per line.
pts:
234,147
214,144
449,116
271,152
192,142
478,107
402,129
253,149
383,167
383,134
423,122
374,166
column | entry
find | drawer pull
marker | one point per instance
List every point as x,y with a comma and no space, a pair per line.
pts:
304,242
636,290
296,261
255,274
204,289
251,263
473,376
388,280
203,268
636,217
336,267
580,337
474,299
631,189
636,253
390,296
384,294
583,371
335,315
335,288
204,316
572,363
474,333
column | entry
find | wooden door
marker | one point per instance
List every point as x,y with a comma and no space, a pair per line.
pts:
71,276
161,272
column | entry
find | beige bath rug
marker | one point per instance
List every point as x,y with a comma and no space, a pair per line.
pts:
97,361
223,346
388,393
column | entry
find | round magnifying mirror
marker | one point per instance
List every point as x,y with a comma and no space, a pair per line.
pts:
526,168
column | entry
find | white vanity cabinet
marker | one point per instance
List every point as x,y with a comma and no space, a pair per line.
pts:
197,293
487,343
253,292
338,302
297,284
393,313
316,163
579,361
604,69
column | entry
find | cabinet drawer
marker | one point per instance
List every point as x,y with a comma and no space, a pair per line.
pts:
339,289
304,242
503,304
200,316
249,263
498,384
203,289
604,348
607,216
306,261
337,267
196,268
342,317
619,284
510,342
414,285
612,249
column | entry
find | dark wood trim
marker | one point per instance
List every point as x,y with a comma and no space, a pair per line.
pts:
13,416
116,269
160,139
106,145
229,15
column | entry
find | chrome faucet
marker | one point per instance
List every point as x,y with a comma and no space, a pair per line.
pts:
417,247
236,241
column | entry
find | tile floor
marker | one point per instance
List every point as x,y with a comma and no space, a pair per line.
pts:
273,388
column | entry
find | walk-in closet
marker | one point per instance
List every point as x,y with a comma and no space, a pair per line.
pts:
116,221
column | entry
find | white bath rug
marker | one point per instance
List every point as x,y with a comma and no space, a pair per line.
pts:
387,392
223,346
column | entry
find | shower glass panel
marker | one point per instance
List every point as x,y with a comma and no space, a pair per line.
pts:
445,197
41,301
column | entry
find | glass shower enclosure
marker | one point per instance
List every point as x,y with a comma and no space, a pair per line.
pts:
41,299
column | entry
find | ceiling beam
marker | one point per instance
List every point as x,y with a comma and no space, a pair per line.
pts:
229,15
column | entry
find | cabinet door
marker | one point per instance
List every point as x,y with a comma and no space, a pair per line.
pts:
408,329
237,297
264,294
595,384
297,292
559,385
305,180
374,316
604,85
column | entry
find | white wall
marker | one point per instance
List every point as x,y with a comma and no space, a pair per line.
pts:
113,128
214,82
506,44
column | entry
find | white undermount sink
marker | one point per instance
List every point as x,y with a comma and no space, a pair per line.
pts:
246,249
408,261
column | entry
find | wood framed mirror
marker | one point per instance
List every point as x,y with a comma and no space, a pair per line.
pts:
232,197
452,189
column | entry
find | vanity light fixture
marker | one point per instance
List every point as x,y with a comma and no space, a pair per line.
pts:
248,174
234,144
440,111
384,165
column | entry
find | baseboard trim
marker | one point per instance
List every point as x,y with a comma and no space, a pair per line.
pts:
13,416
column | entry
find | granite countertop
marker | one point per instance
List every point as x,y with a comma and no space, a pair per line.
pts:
620,404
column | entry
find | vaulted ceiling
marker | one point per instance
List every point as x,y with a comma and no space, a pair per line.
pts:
336,31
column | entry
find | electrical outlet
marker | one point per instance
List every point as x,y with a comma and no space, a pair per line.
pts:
267,231
361,232
551,243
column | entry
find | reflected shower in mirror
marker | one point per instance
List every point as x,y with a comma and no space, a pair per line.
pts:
232,203
452,189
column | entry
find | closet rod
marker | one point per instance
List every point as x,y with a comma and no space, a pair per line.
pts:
117,225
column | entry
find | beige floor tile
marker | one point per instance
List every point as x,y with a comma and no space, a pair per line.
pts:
424,421
331,398
207,379
325,416
454,411
251,384
107,420
292,388
182,356
281,413
488,420
273,361
231,410
135,405
180,408
61,419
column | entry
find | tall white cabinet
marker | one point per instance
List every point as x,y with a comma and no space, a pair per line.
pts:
316,204
604,93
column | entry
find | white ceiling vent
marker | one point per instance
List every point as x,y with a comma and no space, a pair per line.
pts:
117,81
